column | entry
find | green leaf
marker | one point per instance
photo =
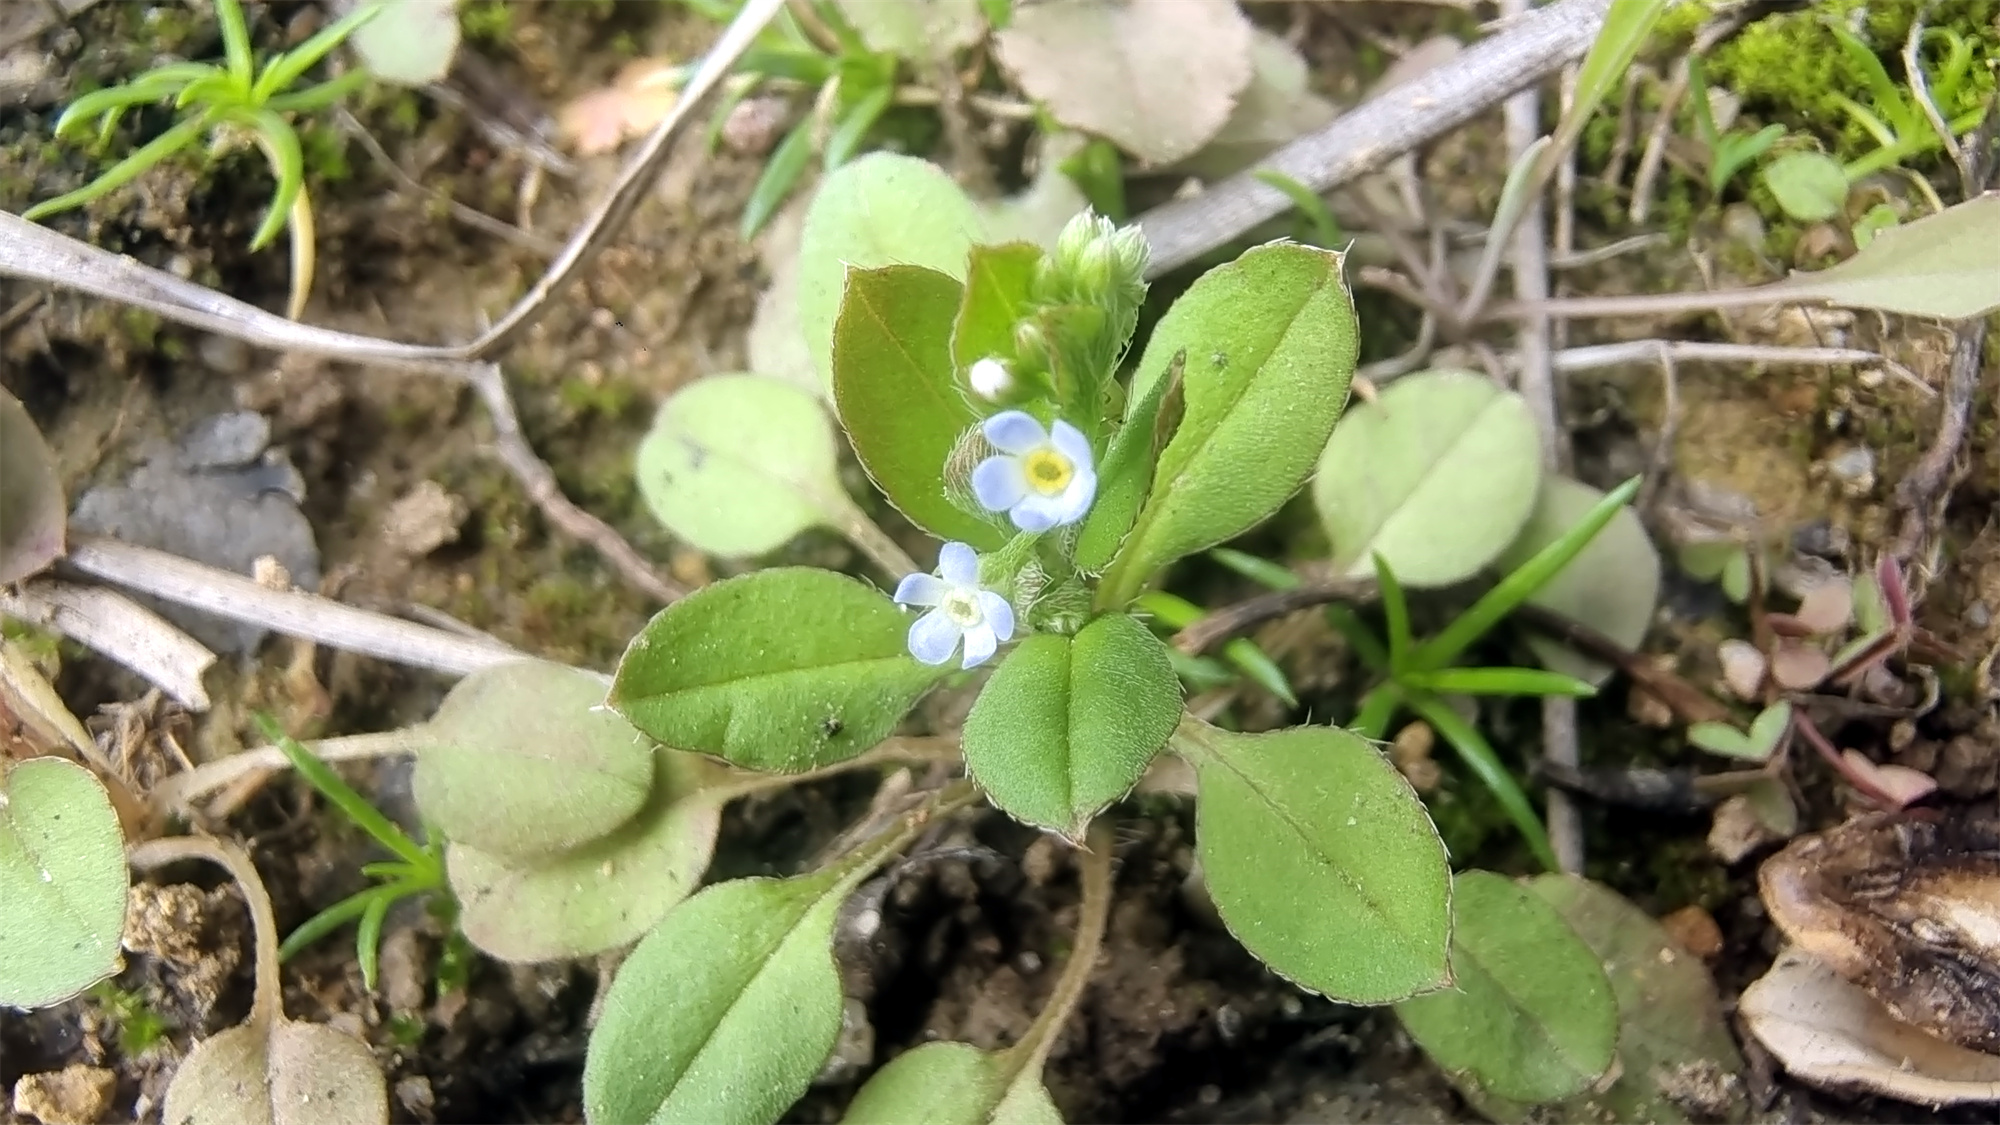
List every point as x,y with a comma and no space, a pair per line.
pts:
738,465
236,44
782,171
288,167
601,895
1520,583
1395,614
1497,681
724,1013
522,760
1437,475
1755,745
285,1073
1940,265
62,876
1322,860
916,29
1270,343
125,171
897,393
1872,222
952,1084
1612,586
1127,470
1478,754
785,669
1809,186
33,516
1671,1027
1068,724
878,210
997,284
853,128
1531,1016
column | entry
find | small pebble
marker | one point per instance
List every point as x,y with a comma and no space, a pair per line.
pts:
1853,469
1694,930
74,1095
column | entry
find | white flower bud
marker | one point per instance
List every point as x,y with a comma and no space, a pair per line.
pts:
990,379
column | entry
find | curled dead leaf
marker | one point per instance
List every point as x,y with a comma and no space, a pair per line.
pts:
644,92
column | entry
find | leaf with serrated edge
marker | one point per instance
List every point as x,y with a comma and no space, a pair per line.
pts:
523,760
63,880
1530,1015
287,1074
1437,476
739,465
1068,725
951,1084
898,395
877,210
597,896
1612,586
724,1013
784,669
1321,860
1270,341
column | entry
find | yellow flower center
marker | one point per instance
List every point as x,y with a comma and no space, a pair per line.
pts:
1048,471
961,607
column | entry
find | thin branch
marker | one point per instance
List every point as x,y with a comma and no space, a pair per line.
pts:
1913,66
1234,620
1919,493
470,216
1366,139
290,612
115,626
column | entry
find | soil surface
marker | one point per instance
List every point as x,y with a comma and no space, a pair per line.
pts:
405,506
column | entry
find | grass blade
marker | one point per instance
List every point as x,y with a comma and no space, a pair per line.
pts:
1395,615
319,96
326,921
147,88
1264,572
286,68
1326,230
1364,642
1519,586
788,162
1477,753
288,164
1378,707
1498,681
126,170
853,128
236,45
364,815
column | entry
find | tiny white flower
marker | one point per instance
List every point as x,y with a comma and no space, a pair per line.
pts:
961,610
990,379
1041,478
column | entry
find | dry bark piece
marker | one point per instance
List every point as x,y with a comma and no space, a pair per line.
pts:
1907,907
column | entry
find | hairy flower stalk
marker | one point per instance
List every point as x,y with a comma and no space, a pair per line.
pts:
1041,478
961,610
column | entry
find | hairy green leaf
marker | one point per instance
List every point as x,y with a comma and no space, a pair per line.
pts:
62,878
286,1073
952,1084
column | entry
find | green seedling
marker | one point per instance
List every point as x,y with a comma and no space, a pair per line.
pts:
1731,152
227,101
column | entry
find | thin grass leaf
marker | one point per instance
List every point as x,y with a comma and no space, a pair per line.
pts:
1904,118
1371,719
781,173
853,128
1264,572
236,46
1395,615
288,164
1498,681
146,88
325,922
1477,753
215,89
321,95
1326,230
390,870
126,170
1521,585
286,68
1199,673
321,776
1258,667
1704,114
734,91
1360,638
1522,187
807,67
368,935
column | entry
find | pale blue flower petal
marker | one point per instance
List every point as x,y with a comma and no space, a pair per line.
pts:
933,637
1075,500
919,589
1070,442
1014,431
999,614
958,564
1037,514
980,643
998,483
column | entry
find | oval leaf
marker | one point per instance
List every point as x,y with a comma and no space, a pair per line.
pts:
897,392
598,896
1068,724
878,210
411,43
952,1084
1322,861
1157,76
1809,186
1940,265
725,1012
62,878
522,760
1270,345
1612,586
1437,476
737,465
287,1074
785,669
1677,1060
1531,1016
32,512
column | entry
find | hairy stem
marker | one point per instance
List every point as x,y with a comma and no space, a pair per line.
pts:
267,1005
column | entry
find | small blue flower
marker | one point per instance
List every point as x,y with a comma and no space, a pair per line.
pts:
982,617
1042,479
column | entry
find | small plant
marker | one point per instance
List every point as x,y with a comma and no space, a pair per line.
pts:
228,101
1728,152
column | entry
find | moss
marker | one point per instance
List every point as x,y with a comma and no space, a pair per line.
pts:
139,1025
141,327
487,21
325,150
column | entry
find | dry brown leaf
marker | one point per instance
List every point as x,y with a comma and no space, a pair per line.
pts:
641,97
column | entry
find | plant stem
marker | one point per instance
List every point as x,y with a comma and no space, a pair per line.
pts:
853,524
1094,864
894,750
267,1005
